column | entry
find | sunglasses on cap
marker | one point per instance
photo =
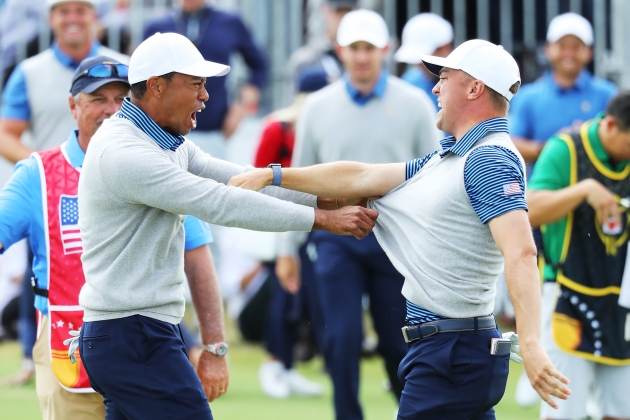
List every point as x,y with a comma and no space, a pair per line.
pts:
103,71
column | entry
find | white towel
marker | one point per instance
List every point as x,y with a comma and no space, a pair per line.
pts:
624,296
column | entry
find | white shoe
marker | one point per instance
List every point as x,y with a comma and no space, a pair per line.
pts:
525,395
274,380
300,386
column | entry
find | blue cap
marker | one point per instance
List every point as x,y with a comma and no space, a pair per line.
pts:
311,80
82,82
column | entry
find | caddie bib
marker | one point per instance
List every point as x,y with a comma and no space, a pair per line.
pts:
588,321
60,181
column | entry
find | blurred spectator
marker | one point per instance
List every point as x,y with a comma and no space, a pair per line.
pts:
424,34
35,100
114,26
217,35
19,24
573,193
319,52
367,116
564,97
278,137
277,377
36,95
251,291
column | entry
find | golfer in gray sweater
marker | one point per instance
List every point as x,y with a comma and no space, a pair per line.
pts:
139,177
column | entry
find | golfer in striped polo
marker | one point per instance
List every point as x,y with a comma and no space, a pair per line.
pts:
448,222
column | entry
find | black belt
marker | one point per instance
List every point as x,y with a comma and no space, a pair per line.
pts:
418,332
36,290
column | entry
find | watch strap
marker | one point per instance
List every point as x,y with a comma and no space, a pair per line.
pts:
277,174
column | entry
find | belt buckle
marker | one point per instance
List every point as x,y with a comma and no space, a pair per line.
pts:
404,333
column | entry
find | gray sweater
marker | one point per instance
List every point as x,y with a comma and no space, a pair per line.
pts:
132,195
397,127
433,236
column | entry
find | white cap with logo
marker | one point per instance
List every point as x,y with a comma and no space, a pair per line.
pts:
363,25
423,34
53,3
484,61
570,24
170,52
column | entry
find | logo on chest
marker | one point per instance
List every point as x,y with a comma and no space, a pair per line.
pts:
69,224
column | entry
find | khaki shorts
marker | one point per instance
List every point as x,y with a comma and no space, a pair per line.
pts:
607,385
55,402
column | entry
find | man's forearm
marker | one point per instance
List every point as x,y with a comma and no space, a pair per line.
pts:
546,206
344,180
11,148
522,277
206,294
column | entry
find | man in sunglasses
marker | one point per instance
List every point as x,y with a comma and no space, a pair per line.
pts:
49,220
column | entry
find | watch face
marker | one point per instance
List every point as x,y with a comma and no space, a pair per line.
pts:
222,349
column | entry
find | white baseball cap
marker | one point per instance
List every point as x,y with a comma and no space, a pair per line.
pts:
570,24
423,34
53,3
170,52
484,61
363,25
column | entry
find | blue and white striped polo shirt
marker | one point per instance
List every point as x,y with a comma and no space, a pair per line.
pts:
493,178
165,140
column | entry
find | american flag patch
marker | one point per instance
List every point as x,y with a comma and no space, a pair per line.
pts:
69,222
511,188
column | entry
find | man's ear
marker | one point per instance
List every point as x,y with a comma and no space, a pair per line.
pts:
610,123
156,86
73,106
476,89
338,49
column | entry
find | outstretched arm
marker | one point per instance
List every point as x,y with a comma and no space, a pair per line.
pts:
512,234
345,180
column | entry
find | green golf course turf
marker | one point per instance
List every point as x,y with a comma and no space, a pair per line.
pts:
245,400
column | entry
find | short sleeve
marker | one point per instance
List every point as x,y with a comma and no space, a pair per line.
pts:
413,166
18,202
518,118
197,233
553,167
15,104
495,182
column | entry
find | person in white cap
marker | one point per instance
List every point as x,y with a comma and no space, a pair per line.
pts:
449,221
366,116
565,96
140,175
34,114
424,34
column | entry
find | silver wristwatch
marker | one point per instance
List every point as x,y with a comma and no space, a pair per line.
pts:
218,349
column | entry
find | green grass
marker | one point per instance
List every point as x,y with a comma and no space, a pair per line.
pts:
245,399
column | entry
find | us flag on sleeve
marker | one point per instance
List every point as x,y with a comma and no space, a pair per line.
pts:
511,188
69,222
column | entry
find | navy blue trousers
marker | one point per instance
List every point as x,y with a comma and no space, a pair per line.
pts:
346,268
140,366
452,376
287,311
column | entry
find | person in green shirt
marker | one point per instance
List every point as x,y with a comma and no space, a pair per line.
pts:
575,196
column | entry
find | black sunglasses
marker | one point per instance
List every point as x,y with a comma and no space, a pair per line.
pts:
103,71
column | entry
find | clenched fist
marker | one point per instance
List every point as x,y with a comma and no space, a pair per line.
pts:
354,220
